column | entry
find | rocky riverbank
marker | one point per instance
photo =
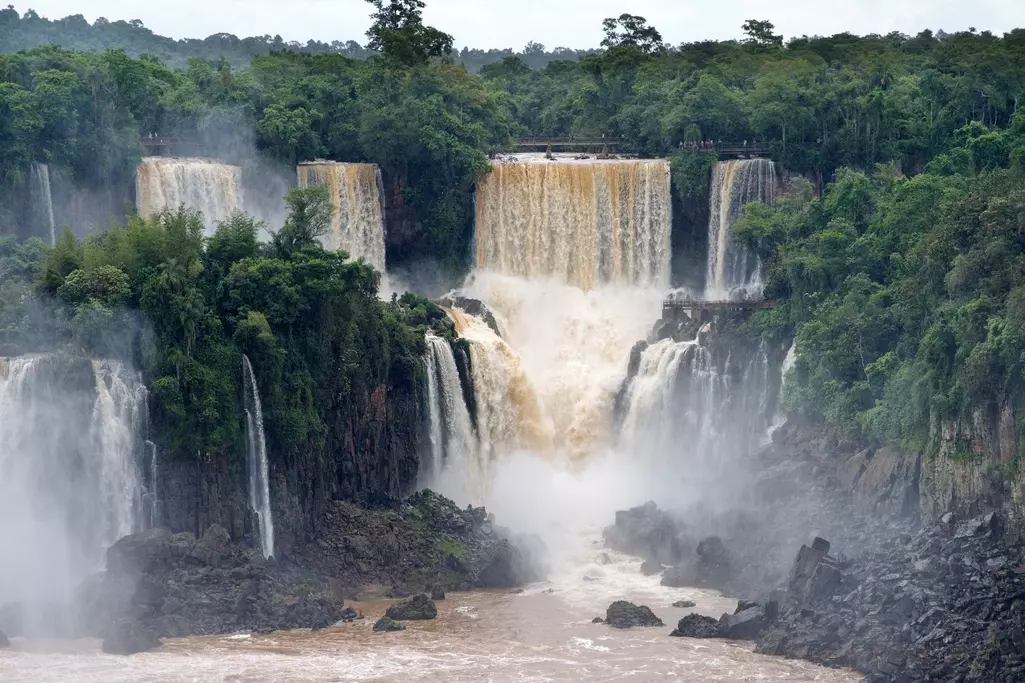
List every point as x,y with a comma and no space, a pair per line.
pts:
158,584
891,596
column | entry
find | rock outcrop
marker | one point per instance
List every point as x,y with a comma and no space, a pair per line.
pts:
4,640
385,624
126,636
946,603
418,607
697,626
623,614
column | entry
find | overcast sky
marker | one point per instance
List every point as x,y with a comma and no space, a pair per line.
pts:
567,23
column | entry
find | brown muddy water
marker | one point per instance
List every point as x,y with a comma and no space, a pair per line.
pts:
544,635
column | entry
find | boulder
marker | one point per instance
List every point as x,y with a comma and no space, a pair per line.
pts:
597,620
437,593
213,547
646,532
697,626
679,576
744,625
651,567
127,636
623,614
139,553
385,624
418,607
4,640
684,604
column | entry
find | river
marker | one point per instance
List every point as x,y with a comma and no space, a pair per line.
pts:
544,634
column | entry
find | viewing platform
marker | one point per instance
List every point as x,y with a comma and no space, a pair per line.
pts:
542,144
673,306
161,142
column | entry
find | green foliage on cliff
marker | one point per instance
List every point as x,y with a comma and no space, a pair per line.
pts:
185,309
906,292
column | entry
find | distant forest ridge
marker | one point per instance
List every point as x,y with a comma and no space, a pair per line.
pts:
22,32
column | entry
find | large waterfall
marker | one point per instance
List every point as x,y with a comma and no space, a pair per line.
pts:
42,203
213,188
733,271
72,437
357,223
587,223
259,479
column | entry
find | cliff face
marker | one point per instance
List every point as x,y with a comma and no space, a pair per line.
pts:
966,469
371,452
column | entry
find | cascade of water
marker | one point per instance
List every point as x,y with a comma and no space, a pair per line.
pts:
213,188
733,271
587,223
259,484
357,222
44,200
70,443
456,468
510,415
117,427
695,407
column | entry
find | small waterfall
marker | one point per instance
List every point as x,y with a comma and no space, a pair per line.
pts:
788,362
357,223
733,271
118,428
259,484
455,468
71,443
213,188
588,223
43,201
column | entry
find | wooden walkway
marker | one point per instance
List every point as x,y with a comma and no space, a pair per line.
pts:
672,307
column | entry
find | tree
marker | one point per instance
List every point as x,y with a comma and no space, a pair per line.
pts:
398,32
309,217
629,29
760,33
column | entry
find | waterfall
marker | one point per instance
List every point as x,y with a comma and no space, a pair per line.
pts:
733,271
259,484
43,201
357,222
456,469
71,441
694,408
587,223
213,188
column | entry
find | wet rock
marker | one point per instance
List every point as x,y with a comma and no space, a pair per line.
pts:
698,626
418,607
349,614
679,576
385,624
597,620
978,526
604,559
651,567
685,604
623,614
4,640
744,625
437,593
646,532
128,637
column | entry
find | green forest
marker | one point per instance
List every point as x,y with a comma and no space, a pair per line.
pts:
897,255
